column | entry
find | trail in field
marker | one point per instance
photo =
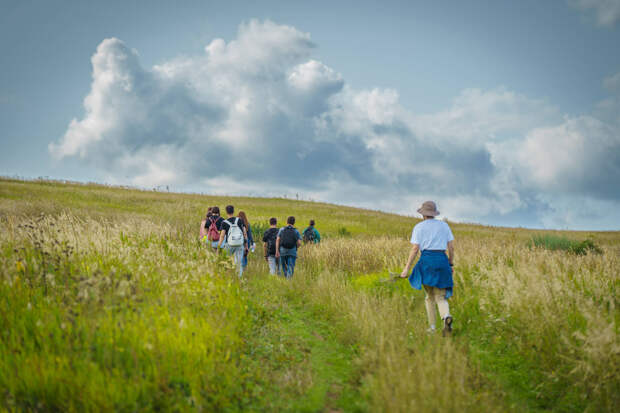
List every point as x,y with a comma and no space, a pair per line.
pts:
295,351
305,360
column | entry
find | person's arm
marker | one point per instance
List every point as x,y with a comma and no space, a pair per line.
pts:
250,236
278,247
451,252
245,235
298,239
222,236
412,255
265,251
203,230
317,236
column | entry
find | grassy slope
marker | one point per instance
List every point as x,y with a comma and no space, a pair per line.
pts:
328,340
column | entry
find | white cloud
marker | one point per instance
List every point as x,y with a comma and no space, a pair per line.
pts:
314,75
477,117
115,68
607,12
580,155
258,115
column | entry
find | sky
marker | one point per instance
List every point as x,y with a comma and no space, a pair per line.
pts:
504,113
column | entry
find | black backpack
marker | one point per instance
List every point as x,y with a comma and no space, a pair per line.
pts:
288,239
309,235
271,235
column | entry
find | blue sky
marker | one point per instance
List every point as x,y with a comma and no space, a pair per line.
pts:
504,112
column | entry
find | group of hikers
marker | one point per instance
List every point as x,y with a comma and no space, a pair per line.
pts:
234,235
431,238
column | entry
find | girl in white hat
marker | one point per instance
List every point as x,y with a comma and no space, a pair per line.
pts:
433,270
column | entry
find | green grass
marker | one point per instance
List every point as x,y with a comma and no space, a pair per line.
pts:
559,243
306,366
109,302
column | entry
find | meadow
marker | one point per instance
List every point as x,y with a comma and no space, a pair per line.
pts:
108,301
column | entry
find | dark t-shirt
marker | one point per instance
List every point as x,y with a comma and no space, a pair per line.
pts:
226,224
270,235
218,222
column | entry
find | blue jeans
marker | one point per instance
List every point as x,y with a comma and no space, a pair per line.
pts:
237,254
288,265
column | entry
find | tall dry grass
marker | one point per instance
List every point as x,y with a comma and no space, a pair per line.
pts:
109,303
558,311
115,315
560,307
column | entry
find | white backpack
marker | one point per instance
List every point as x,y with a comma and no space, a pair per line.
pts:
235,234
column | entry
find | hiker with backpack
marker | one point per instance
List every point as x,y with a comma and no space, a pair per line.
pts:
234,235
311,234
433,270
249,240
203,227
287,242
213,225
269,247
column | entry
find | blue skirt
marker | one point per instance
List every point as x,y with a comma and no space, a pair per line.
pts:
433,269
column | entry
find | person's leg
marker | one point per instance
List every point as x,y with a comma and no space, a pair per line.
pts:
283,265
429,301
271,260
444,309
289,260
240,255
237,253
442,303
291,264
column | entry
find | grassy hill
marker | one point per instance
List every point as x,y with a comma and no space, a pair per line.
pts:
109,302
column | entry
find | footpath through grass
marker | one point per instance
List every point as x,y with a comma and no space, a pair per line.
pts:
109,302
303,364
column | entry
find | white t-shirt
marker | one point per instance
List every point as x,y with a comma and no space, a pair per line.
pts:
432,234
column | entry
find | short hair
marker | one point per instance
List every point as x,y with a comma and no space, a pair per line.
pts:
311,222
290,220
273,221
215,210
230,209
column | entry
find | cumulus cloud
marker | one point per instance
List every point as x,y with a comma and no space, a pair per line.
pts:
607,12
581,155
259,115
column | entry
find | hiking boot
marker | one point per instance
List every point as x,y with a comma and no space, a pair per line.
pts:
431,330
447,326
